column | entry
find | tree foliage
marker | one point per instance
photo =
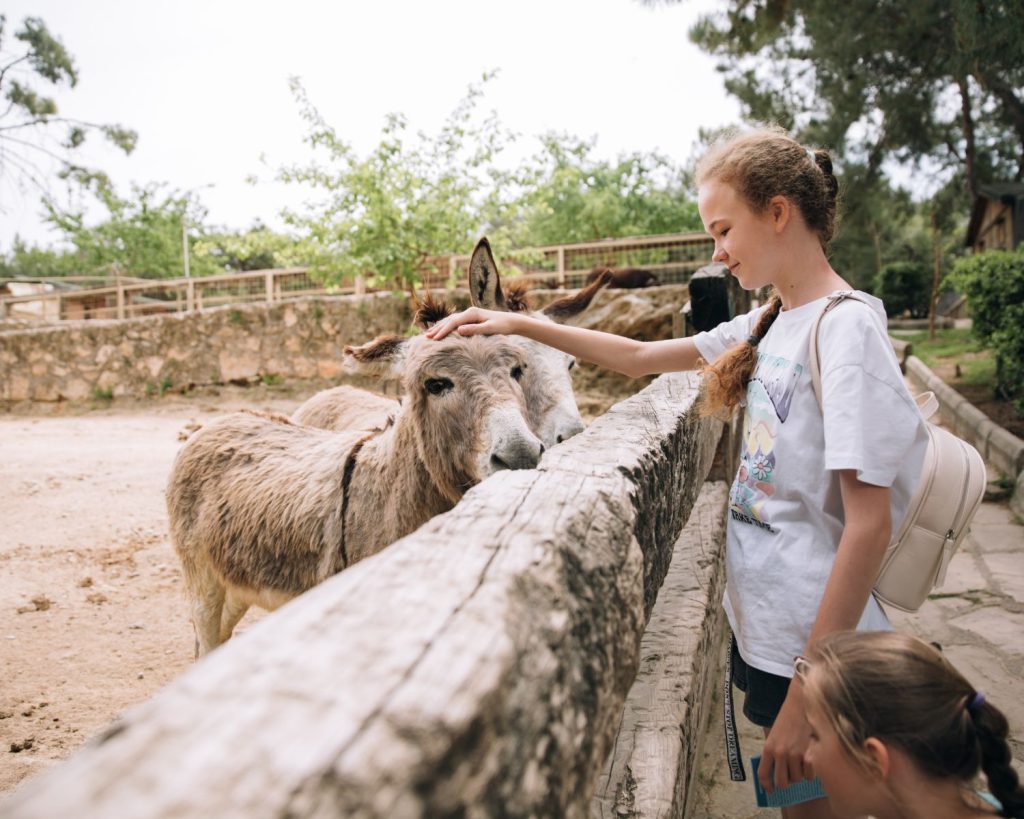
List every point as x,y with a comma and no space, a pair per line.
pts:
904,287
258,248
569,196
993,283
935,83
140,235
410,198
414,197
33,134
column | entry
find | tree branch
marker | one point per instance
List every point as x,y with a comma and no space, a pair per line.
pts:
967,126
3,71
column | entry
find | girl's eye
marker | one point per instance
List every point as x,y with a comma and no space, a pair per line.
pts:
517,372
438,386
724,232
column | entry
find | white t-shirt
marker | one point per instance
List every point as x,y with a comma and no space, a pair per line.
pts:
785,506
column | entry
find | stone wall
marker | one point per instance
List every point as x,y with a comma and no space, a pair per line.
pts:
300,339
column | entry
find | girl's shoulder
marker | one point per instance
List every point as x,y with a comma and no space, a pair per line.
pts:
859,313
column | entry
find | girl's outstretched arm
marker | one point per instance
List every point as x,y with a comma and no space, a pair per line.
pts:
624,355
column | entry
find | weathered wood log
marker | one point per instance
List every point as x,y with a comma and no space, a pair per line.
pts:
477,667
657,750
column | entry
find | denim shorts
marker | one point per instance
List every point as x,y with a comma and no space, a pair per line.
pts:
764,693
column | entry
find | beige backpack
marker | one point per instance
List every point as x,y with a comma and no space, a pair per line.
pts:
950,489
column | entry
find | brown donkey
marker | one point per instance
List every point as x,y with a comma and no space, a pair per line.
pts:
547,380
262,509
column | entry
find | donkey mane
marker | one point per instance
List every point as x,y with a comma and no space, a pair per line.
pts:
430,311
517,298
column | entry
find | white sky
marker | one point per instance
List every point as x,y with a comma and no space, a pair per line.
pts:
205,82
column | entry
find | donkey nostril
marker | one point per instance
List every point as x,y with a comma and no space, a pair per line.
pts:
497,463
559,439
542,447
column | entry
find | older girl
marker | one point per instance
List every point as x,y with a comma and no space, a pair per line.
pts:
818,490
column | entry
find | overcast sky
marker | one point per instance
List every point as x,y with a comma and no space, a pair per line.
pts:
205,83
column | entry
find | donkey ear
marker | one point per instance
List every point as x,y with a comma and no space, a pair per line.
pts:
383,356
568,306
484,282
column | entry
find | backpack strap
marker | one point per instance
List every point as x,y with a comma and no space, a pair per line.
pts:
927,403
813,359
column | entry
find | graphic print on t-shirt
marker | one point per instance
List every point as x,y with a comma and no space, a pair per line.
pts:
768,399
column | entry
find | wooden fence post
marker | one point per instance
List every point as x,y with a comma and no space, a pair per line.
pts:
120,299
360,285
561,266
269,285
190,296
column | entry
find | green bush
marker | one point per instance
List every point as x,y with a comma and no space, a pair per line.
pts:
904,286
993,284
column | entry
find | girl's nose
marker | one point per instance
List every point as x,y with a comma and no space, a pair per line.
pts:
719,255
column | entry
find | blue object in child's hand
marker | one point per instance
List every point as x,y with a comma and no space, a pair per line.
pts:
803,791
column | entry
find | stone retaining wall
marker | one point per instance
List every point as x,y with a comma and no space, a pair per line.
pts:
300,339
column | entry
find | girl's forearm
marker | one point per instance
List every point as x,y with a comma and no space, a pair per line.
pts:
624,355
604,349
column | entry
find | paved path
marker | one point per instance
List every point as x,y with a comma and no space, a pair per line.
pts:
978,619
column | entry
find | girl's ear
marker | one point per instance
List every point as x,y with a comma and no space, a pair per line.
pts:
878,756
781,210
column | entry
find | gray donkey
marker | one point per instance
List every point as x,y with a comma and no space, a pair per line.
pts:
262,509
547,382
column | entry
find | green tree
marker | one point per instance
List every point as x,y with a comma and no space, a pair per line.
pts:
140,235
569,196
386,213
257,248
31,261
935,84
31,129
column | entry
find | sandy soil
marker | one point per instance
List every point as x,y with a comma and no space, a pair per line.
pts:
92,611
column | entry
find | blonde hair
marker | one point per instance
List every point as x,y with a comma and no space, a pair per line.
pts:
903,692
760,165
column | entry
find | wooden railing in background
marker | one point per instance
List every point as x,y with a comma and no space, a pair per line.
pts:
672,258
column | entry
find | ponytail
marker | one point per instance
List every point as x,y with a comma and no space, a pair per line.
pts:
991,730
725,381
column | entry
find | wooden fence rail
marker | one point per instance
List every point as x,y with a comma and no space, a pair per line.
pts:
672,257
477,667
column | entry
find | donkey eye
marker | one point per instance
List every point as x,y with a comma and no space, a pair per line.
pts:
438,386
517,371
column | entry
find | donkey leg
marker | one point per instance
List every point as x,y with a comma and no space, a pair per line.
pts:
234,610
207,606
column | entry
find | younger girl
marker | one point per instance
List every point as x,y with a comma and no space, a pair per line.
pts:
818,491
897,732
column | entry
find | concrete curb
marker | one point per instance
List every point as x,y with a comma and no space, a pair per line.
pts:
1002,449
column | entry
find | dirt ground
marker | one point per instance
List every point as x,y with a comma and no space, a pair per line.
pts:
92,611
